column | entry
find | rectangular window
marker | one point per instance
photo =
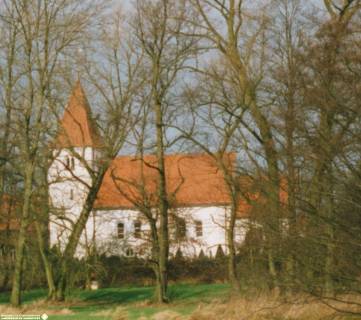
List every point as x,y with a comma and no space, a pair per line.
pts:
180,228
137,229
129,252
72,163
71,194
199,228
120,230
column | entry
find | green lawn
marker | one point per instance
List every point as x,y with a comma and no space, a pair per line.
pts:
137,302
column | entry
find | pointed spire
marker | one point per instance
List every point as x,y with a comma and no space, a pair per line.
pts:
77,128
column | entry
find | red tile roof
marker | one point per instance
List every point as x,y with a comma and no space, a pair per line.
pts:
77,128
192,179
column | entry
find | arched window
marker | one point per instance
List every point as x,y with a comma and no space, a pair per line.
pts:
120,230
199,228
137,229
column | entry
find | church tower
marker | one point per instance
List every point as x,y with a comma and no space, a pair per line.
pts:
76,152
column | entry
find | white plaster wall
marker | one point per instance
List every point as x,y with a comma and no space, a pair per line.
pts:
107,232
213,222
67,191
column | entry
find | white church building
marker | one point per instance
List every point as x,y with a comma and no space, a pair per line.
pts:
198,195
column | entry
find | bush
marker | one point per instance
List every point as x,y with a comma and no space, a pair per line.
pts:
120,271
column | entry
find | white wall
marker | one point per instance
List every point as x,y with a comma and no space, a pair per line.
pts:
67,191
213,228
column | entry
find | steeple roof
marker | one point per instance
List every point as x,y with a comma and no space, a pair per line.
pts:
77,128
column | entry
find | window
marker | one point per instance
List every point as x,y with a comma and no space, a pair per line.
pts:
120,230
67,162
199,228
71,194
137,229
129,252
180,228
72,162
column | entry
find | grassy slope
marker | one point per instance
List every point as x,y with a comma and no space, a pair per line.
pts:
136,301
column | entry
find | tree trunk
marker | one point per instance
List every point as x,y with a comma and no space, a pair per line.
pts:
272,184
292,236
232,265
163,235
329,234
272,268
70,249
160,285
46,263
15,298
321,194
329,262
272,190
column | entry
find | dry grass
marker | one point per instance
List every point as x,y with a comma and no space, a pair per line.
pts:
167,315
275,307
262,307
142,304
119,313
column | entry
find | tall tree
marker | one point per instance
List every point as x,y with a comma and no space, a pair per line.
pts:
7,172
285,86
112,67
223,26
159,27
331,106
212,126
38,40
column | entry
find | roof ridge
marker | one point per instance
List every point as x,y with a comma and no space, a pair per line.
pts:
191,154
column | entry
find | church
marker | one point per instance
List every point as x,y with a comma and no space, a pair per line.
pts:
199,201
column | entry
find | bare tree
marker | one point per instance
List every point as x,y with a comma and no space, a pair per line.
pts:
328,128
6,150
223,26
212,126
116,81
39,37
158,27
285,87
